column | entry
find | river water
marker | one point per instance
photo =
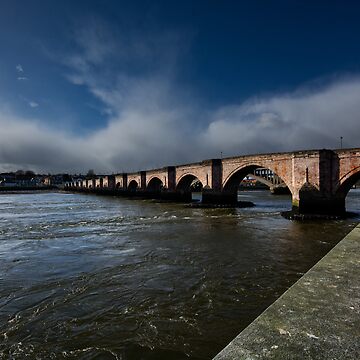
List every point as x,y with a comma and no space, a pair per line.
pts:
91,277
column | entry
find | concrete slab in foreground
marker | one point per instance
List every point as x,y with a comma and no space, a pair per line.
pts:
317,318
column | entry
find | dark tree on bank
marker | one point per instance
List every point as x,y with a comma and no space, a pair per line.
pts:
19,173
29,173
24,175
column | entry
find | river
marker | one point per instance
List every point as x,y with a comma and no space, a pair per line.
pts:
92,277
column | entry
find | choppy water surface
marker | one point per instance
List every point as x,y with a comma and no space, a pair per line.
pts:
90,277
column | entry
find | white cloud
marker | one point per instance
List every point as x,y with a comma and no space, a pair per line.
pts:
307,119
148,133
33,104
19,68
27,144
22,78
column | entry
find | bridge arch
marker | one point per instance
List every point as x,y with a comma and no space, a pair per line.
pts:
155,184
231,183
186,182
348,181
133,185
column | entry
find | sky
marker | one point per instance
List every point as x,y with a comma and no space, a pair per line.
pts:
120,86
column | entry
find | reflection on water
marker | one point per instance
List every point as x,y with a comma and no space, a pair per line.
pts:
87,277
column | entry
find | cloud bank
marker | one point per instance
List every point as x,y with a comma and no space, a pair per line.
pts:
153,122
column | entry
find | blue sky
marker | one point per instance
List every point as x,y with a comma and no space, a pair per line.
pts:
122,86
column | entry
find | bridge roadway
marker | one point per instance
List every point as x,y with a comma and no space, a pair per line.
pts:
318,180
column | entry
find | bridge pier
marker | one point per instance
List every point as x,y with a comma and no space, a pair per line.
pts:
216,195
319,194
310,200
210,196
176,196
321,206
280,190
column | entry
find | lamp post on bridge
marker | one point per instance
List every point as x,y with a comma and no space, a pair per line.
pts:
341,142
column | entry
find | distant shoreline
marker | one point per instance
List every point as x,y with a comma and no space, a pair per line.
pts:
15,189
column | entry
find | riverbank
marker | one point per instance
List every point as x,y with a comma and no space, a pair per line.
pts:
14,189
317,318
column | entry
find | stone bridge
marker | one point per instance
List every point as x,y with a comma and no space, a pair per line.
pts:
271,180
318,180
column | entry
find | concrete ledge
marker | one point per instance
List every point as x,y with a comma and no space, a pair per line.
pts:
317,318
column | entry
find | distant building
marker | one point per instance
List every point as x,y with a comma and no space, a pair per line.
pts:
30,179
7,179
19,179
47,181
